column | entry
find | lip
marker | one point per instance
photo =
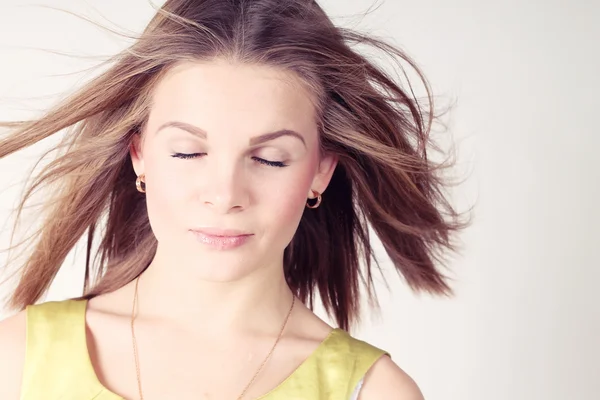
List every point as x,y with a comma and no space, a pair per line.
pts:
221,232
221,239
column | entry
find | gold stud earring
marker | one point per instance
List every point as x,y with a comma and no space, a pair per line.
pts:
140,184
317,196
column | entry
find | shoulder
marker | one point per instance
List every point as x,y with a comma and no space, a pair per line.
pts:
386,380
383,378
38,324
12,348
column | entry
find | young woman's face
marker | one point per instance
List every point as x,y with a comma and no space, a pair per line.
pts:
229,150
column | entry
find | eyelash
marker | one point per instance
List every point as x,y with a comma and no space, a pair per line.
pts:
277,164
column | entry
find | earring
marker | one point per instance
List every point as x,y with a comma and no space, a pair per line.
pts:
318,197
140,184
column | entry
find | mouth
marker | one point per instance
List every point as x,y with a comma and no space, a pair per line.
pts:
221,239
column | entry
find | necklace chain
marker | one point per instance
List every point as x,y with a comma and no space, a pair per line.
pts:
136,354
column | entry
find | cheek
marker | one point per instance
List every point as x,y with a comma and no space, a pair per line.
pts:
285,204
165,194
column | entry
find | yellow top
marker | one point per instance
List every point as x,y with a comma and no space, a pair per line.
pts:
58,366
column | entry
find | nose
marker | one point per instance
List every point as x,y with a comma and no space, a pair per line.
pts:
224,189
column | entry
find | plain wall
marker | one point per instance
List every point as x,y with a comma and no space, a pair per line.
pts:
525,321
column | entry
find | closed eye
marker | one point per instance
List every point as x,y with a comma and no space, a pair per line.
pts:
278,164
187,156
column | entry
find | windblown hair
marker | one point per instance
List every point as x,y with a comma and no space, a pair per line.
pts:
385,177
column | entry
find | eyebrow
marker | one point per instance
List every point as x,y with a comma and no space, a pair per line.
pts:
255,140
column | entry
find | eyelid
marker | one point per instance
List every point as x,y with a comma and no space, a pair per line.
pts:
271,152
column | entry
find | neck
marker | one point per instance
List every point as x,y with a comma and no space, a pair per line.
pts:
255,302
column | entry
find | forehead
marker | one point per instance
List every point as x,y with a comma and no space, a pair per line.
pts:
219,96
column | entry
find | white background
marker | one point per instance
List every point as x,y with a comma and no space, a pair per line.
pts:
525,321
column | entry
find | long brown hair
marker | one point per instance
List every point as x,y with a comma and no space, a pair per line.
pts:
380,131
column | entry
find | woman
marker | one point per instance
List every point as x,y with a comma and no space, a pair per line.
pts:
230,160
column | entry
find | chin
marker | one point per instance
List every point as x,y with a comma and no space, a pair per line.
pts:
221,267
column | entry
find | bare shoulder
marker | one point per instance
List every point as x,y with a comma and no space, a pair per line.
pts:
12,348
386,380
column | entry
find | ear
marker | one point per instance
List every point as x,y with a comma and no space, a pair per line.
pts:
324,173
135,151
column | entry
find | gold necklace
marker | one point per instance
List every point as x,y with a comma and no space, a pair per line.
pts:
135,349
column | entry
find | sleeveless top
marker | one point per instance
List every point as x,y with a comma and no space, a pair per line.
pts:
58,366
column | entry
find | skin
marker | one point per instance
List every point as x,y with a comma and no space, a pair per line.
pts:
208,317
